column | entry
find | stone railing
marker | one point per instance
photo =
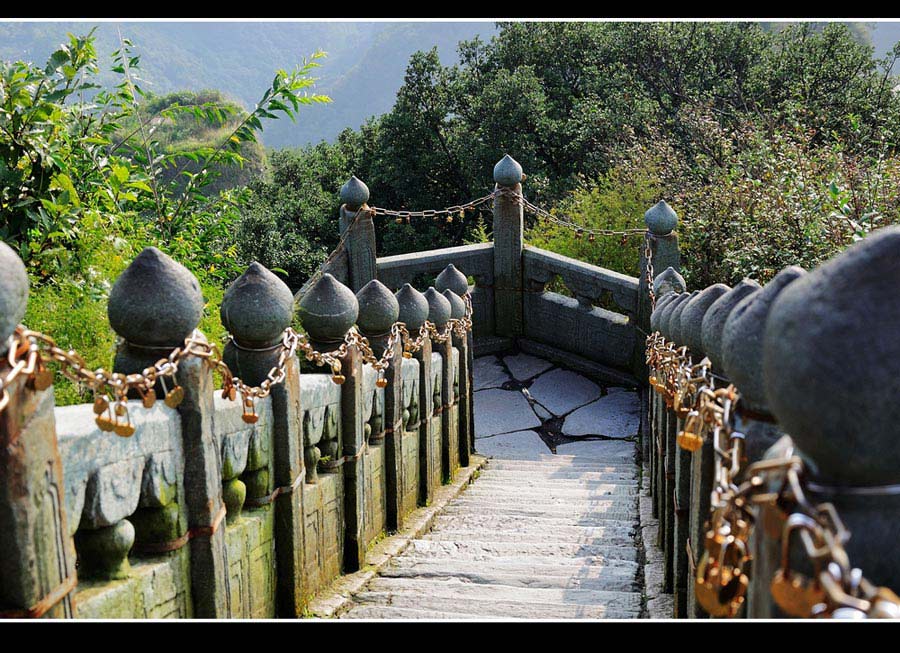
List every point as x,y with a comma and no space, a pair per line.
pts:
212,507
813,362
513,307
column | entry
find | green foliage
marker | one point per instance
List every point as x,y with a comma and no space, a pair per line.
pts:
90,176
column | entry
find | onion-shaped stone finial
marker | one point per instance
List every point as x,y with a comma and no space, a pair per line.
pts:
507,171
692,318
13,292
457,305
676,333
378,308
665,314
328,309
438,307
669,280
156,301
830,363
661,218
413,308
714,320
664,301
354,193
452,279
257,307
742,338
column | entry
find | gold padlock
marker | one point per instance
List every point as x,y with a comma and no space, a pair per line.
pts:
124,429
249,415
148,398
105,422
793,592
42,377
101,403
174,397
381,382
691,438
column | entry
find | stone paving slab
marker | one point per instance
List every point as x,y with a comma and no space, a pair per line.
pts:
524,366
617,415
502,411
489,373
561,391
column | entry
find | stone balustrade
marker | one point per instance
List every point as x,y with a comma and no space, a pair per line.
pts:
216,506
813,358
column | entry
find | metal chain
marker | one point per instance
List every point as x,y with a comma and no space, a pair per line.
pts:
448,213
837,590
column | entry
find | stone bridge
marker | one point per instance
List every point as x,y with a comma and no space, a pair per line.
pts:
487,448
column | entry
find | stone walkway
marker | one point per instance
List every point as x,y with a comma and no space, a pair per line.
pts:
550,528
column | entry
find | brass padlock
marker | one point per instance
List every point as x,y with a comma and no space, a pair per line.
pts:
42,377
691,438
793,592
381,382
148,397
124,429
174,397
101,404
249,415
105,422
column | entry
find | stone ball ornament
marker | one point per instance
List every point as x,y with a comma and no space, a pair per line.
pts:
13,292
414,308
452,279
328,310
831,362
258,306
378,308
661,219
354,193
508,172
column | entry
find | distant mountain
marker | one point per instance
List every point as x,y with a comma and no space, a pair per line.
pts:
363,70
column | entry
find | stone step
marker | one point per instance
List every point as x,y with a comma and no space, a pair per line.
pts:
551,461
465,519
381,612
474,549
527,493
576,505
553,466
451,594
611,511
597,574
616,537
558,476
551,484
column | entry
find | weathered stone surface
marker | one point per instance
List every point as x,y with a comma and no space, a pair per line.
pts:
714,320
660,218
414,308
561,391
13,292
692,318
257,306
830,361
453,280
378,308
617,415
457,305
657,311
675,327
525,366
665,313
354,193
155,301
328,310
742,338
489,373
438,307
519,444
502,411
668,281
507,171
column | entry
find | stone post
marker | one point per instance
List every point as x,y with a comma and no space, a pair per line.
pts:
661,221
830,370
667,285
154,305
328,312
703,459
508,244
37,567
453,285
256,310
361,239
742,358
439,313
414,312
378,310
686,483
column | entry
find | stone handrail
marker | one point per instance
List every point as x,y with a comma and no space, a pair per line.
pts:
812,357
211,507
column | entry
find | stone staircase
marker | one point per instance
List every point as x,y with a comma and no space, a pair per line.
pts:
538,535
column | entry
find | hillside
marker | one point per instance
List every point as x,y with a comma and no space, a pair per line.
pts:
364,68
